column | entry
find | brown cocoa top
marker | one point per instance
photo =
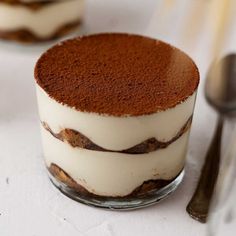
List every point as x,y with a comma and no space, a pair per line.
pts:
117,74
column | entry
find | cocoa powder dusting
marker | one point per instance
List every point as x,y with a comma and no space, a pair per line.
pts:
117,74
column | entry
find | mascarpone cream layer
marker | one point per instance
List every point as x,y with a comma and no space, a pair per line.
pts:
44,21
114,174
115,133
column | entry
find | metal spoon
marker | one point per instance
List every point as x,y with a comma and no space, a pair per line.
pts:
220,92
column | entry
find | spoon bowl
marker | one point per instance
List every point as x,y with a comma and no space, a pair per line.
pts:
220,86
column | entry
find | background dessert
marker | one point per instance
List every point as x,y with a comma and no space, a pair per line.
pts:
116,111
34,21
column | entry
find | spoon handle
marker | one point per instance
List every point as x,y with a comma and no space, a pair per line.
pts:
198,206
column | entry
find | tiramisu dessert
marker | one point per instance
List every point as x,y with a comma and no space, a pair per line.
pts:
116,111
39,20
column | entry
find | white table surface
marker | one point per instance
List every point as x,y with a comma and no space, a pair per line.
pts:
29,204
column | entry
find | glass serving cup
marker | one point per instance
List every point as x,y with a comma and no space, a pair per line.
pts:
112,179
39,20
116,162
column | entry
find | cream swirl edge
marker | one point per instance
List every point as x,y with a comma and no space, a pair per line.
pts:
42,22
114,133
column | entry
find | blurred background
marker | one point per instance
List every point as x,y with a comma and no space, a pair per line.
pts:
29,205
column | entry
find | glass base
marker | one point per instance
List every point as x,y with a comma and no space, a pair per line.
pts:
124,203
